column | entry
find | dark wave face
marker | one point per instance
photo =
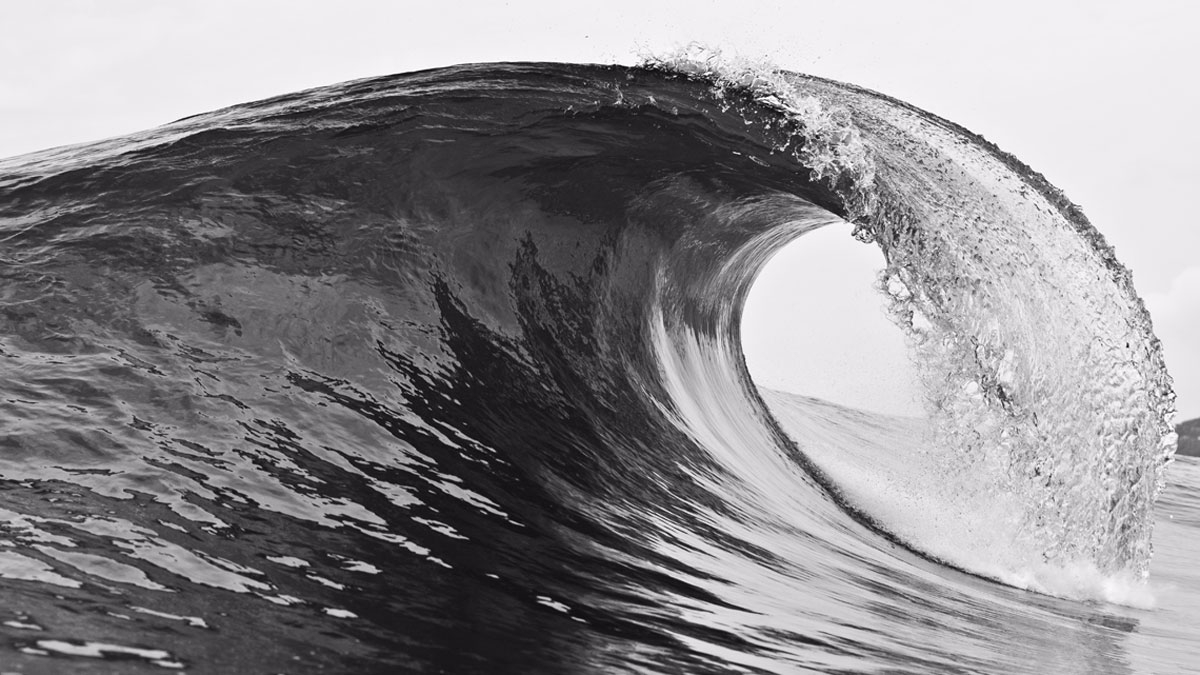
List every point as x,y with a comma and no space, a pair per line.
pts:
441,372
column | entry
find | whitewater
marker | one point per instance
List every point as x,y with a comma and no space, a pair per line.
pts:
442,372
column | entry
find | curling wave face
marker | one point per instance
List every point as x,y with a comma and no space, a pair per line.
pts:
442,371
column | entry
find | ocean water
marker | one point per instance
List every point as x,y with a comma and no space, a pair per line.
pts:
441,372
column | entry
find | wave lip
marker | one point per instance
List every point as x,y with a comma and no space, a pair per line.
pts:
1040,367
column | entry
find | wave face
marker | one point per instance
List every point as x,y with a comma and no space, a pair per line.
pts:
442,372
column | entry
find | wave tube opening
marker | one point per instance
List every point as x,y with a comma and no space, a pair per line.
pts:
816,324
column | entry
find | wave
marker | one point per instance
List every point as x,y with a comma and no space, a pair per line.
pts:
453,357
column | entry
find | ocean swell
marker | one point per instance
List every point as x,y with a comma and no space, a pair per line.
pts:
415,361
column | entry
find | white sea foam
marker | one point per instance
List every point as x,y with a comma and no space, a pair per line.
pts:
832,146
891,469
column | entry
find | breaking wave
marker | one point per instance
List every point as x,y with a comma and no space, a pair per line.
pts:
442,372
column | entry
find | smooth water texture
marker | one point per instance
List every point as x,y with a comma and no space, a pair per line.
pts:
442,372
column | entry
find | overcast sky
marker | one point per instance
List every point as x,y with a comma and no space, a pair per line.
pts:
1098,96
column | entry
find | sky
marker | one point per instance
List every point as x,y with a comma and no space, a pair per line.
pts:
1097,96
